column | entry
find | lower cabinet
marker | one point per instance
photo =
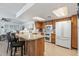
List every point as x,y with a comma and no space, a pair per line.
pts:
35,47
53,37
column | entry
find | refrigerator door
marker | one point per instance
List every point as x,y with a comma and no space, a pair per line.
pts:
63,34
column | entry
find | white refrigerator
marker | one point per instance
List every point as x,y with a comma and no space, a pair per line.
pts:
63,33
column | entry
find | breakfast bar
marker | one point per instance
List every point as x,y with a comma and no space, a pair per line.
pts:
34,44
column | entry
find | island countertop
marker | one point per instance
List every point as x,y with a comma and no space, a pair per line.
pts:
31,36
34,44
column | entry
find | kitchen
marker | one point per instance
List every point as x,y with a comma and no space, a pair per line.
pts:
58,31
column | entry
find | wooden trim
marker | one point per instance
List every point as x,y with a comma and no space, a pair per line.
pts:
74,32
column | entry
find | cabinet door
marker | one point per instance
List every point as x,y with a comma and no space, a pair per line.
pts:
39,25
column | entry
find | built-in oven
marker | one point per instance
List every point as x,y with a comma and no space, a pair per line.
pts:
47,33
48,37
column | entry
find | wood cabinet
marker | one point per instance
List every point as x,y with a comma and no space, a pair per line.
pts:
49,23
39,25
53,37
74,32
35,47
74,39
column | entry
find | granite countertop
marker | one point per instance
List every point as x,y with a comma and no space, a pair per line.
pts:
30,36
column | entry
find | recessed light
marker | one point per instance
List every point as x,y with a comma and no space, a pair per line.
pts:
38,18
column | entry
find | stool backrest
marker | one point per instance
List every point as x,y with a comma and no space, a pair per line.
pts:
13,37
8,37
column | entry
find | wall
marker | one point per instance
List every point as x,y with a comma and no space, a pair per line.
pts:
9,27
2,28
29,25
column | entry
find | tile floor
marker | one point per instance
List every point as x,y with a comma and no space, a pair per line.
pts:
3,48
54,50
50,50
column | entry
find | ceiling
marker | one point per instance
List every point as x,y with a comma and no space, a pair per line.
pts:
10,9
45,9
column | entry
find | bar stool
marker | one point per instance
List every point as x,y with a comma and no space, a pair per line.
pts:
16,44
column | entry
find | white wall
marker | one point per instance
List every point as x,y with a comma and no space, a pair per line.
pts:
29,24
2,29
9,27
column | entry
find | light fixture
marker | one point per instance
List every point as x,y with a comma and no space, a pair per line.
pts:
61,12
38,18
49,18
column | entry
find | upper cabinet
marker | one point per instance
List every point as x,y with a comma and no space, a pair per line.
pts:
39,25
49,23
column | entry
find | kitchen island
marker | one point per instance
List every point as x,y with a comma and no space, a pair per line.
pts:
34,44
